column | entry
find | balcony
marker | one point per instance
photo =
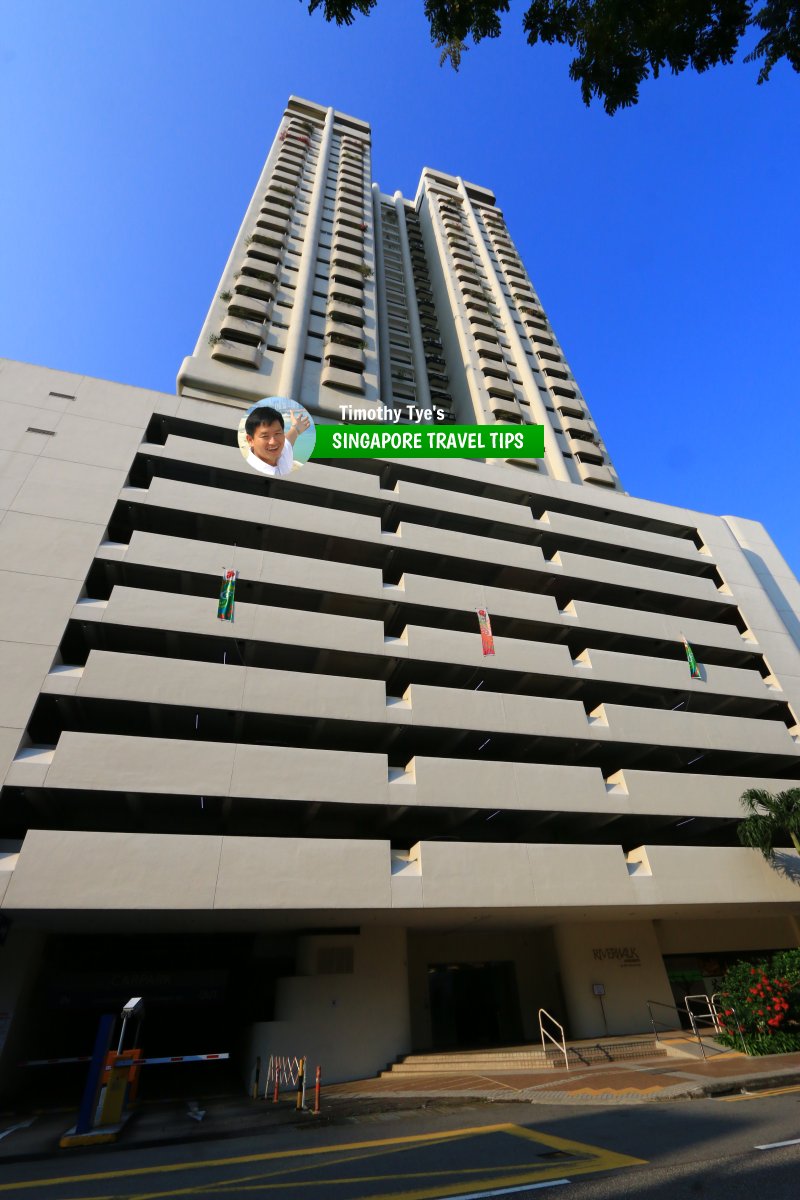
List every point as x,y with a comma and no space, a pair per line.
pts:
237,354
268,253
248,307
350,278
353,222
504,410
274,216
585,452
301,140
291,156
346,257
278,199
488,348
477,305
495,371
343,381
349,209
502,389
347,193
266,237
595,473
346,314
341,294
556,370
249,285
579,428
259,268
239,329
344,233
347,357
288,177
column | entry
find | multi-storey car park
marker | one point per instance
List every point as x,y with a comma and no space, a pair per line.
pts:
334,827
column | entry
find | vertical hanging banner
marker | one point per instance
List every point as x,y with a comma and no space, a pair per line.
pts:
487,641
227,595
694,669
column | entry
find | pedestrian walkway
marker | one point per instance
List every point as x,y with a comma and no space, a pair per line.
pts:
657,1078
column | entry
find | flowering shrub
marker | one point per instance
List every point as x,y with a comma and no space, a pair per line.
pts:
765,1000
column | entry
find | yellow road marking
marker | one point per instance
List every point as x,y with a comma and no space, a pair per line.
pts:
584,1159
195,1164
248,1180
781,1091
609,1091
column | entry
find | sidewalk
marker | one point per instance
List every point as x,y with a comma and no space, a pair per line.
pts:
35,1134
603,1083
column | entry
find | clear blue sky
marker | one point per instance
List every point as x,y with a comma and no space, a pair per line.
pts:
663,241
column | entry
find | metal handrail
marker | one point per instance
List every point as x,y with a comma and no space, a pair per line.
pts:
674,1008
545,1033
710,1016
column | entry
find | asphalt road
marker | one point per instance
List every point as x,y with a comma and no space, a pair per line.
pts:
702,1149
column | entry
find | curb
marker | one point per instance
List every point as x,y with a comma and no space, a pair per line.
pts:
746,1083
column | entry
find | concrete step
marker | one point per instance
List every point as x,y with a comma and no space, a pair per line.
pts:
689,1047
525,1058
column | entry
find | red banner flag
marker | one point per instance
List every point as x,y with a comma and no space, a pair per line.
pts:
487,641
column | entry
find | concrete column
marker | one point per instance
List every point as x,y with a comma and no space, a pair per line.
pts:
384,351
553,455
20,959
297,332
414,326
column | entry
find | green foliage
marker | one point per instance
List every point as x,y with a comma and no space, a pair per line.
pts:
618,43
226,296
770,821
342,11
764,999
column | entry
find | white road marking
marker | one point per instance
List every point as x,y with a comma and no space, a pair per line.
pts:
775,1145
14,1128
525,1187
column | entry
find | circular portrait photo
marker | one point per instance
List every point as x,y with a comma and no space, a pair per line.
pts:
276,436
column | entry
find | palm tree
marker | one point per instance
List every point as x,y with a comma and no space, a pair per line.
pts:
769,819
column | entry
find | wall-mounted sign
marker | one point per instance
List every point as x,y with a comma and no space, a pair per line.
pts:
626,956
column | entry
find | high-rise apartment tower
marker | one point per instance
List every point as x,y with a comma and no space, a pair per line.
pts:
342,297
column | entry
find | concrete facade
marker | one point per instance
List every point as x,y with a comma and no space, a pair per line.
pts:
384,840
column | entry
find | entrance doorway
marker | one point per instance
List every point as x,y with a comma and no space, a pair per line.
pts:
474,1005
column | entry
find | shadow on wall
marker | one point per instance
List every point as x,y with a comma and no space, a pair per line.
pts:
776,594
787,865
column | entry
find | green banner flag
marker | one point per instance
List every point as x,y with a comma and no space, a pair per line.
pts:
694,669
227,595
